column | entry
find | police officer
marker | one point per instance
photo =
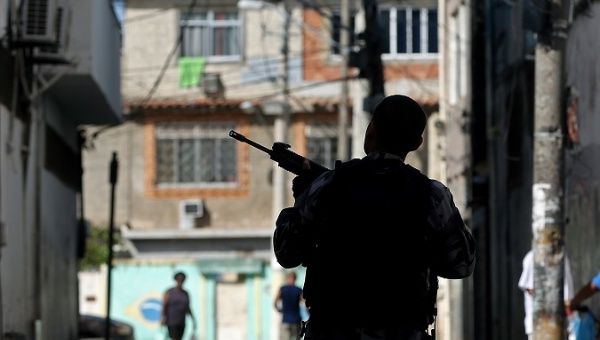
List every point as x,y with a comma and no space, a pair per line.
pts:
381,224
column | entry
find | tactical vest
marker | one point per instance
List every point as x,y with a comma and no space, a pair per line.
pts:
370,263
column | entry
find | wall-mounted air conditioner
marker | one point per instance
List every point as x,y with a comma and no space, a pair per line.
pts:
38,22
213,86
189,212
57,52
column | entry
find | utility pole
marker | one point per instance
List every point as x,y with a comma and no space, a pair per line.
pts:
368,61
374,65
282,118
113,176
548,218
342,143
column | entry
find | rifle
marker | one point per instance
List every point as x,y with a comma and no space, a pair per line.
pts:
286,158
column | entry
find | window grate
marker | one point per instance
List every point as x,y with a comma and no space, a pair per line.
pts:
193,154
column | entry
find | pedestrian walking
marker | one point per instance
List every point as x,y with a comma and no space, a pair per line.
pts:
288,302
176,306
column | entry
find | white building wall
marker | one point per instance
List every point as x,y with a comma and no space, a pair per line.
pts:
16,266
92,292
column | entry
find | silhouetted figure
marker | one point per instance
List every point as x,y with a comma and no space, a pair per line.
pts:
369,217
176,305
287,303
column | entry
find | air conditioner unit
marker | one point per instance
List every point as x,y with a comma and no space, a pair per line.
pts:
213,86
189,212
38,19
57,52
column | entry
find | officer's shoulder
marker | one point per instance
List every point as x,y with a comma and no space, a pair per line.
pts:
347,164
439,191
437,186
342,169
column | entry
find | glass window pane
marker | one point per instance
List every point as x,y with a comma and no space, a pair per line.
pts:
226,16
323,150
207,160
188,153
316,150
401,31
416,31
336,27
193,16
335,33
384,29
202,38
432,34
164,161
228,161
185,156
226,41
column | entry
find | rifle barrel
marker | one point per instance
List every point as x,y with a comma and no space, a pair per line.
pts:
243,138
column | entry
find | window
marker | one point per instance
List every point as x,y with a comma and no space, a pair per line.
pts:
322,143
404,31
195,154
336,27
212,34
408,31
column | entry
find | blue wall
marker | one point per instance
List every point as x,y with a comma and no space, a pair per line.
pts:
138,290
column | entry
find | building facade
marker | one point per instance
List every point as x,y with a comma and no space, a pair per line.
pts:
60,62
487,104
191,198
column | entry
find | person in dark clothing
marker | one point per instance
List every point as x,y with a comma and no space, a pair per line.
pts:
287,303
176,306
370,216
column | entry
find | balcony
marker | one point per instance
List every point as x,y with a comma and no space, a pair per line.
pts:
88,88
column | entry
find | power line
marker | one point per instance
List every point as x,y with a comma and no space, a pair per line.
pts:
259,67
277,93
169,57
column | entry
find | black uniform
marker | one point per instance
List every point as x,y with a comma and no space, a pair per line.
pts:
374,235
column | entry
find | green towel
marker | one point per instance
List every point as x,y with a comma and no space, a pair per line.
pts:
191,70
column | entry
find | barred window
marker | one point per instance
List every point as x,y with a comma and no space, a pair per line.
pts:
409,31
322,143
195,154
212,34
406,32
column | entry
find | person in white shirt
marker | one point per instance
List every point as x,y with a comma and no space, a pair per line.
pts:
526,285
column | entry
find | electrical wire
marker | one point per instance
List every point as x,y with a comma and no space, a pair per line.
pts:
277,93
225,76
169,58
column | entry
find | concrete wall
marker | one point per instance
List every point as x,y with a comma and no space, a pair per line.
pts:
136,207
38,211
17,285
583,159
59,263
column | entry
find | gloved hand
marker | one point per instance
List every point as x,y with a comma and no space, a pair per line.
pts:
300,184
